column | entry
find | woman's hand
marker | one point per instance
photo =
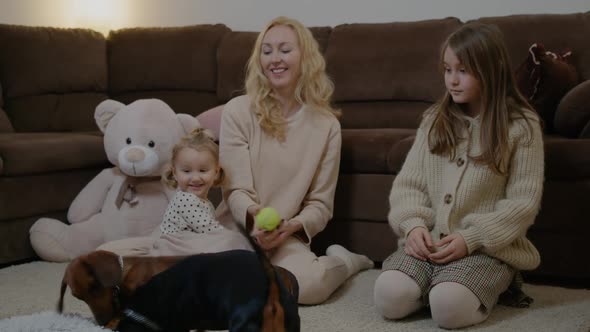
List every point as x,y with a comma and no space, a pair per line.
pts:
269,240
453,248
419,243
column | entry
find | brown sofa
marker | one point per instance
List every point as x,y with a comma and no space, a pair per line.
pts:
386,75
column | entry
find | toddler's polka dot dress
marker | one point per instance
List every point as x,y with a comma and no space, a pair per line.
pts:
187,212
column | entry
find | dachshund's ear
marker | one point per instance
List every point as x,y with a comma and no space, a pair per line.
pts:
289,281
105,267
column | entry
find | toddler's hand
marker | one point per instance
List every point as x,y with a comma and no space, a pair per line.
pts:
419,243
456,248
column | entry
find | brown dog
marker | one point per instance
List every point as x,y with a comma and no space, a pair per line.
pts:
105,281
236,290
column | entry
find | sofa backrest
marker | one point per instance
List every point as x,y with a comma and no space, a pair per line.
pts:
557,32
385,74
233,54
52,78
177,65
387,63
5,125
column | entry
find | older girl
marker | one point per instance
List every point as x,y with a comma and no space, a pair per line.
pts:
468,191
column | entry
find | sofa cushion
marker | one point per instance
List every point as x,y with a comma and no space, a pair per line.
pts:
40,60
172,58
402,69
234,51
5,125
54,112
544,78
573,112
36,153
233,55
187,102
566,159
52,78
211,119
373,151
555,31
382,114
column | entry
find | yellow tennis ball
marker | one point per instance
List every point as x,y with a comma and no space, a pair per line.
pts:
268,219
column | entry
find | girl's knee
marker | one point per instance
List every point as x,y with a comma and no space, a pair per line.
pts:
396,294
453,306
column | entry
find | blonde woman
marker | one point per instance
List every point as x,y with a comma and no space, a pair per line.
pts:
280,148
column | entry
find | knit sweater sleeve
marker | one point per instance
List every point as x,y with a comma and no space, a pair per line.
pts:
515,213
234,157
318,204
410,205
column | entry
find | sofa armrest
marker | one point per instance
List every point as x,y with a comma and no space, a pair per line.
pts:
586,131
573,112
5,124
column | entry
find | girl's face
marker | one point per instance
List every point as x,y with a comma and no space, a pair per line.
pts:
463,86
195,171
280,58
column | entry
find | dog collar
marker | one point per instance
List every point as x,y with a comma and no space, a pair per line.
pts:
139,318
116,302
121,263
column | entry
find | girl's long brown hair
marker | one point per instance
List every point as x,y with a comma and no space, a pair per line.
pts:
481,49
314,87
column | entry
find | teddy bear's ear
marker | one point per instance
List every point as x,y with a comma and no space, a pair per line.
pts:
188,122
105,111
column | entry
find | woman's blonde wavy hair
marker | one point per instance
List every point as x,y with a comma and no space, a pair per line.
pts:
314,87
481,49
200,139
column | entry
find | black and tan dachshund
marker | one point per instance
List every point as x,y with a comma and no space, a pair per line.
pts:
235,290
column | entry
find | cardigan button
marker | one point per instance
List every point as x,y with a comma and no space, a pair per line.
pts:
460,162
448,198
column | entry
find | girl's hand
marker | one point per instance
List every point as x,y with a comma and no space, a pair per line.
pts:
456,248
419,243
269,240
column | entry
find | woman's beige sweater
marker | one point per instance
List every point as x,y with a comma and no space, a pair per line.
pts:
297,177
491,212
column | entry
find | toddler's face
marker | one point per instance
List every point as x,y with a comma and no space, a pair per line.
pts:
195,171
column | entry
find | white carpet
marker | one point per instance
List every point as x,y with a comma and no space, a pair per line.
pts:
29,293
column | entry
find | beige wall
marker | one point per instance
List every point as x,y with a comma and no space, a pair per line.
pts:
251,15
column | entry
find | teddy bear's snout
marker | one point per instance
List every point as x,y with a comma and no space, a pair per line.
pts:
135,155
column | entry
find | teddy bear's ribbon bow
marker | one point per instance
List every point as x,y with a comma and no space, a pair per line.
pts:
127,191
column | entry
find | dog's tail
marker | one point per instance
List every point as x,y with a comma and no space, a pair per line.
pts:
273,315
60,303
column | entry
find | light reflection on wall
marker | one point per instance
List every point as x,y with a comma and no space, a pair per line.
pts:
99,15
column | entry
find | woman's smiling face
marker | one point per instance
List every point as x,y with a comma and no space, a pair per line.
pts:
280,58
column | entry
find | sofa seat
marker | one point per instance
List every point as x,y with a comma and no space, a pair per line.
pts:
566,159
